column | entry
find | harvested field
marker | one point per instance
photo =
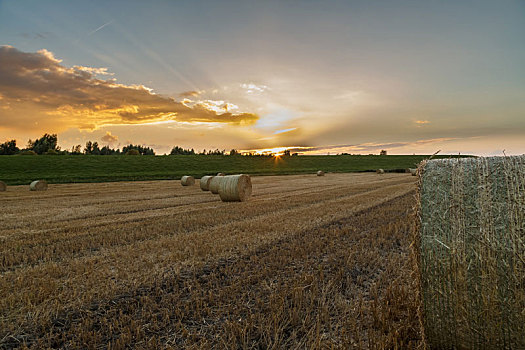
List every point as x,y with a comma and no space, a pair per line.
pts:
303,263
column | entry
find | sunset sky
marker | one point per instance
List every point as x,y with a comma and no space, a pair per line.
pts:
315,76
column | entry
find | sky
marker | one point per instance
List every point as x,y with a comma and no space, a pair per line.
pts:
317,77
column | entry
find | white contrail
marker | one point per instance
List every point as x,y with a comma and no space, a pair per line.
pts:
99,28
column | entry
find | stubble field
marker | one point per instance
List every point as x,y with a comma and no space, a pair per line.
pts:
308,262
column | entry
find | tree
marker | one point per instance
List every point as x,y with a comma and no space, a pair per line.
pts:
96,150
89,148
142,150
9,148
181,151
44,144
382,153
286,153
132,152
76,149
217,152
234,152
107,151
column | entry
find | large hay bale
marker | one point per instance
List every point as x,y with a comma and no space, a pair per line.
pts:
205,182
235,188
3,186
413,171
470,250
187,181
320,173
215,183
38,185
380,171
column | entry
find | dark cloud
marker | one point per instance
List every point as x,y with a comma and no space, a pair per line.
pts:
35,35
36,90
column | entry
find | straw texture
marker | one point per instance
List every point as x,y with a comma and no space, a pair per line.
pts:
320,173
235,188
215,184
205,182
470,250
3,186
187,181
38,185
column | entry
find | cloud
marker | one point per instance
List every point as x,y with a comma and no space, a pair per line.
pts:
93,71
284,131
369,147
192,93
38,92
253,88
109,138
35,35
421,122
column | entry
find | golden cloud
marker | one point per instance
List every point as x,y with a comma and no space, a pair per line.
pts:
190,93
109,138
38,92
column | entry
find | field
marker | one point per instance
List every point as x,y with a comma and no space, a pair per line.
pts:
21,170
308,262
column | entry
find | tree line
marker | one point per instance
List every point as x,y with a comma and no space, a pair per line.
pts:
48,145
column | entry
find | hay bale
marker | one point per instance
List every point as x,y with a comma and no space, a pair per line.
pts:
380,171
215,184
220,174
205,182
412,171
187,181
3,186
470,252
235,188
320,173
38,185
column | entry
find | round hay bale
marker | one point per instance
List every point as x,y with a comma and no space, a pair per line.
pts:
215,184
3,186
235,188
187,181
380,171
320,173
38,185
220,174
205,182
470,252
413,171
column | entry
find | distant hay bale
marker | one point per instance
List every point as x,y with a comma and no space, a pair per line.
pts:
235,188
413,171
215,184
205,182
38,185
3,186
380,171
320,173
187,181
220,174
470,251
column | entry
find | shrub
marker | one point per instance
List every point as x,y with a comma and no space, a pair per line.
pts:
27,153
133,152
